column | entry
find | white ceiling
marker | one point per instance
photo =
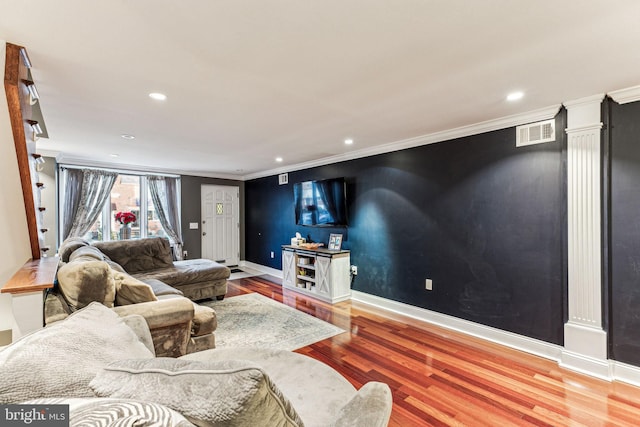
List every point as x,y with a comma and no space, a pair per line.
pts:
250,80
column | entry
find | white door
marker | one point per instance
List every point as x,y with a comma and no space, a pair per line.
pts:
221,223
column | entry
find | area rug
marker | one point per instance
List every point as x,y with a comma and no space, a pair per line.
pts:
253,320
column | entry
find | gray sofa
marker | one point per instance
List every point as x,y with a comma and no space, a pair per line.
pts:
85,274
104,367
151,258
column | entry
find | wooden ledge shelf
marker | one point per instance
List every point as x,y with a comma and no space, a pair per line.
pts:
36,275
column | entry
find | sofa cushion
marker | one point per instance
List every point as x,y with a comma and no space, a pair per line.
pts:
106,412
204,320
82,282
138,254
371,406
61,359
114,265
189,271
160,288
69,246
224,393
130,290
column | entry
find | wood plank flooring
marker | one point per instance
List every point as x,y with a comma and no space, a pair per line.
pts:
443,378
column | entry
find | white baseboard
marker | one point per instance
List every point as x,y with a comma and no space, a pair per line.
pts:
262,268
626,373
584,364
509,339
607,370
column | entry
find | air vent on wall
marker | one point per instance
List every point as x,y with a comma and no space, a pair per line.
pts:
535,133
283,178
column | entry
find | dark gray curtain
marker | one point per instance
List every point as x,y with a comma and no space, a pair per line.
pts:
73,180
94,193
164,194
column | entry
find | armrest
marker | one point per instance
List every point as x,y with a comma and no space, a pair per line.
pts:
160,313
370,407
169,322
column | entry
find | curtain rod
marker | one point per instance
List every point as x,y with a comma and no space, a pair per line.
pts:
63,166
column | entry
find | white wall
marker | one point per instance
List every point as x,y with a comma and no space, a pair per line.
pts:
15,249
48,199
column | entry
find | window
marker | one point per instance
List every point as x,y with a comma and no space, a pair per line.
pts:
126,196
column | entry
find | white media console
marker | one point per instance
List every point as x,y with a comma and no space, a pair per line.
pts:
320,273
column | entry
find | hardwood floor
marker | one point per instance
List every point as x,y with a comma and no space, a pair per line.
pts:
443,378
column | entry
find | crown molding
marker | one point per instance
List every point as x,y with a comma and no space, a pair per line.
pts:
583,101
77,161
460,132
624,96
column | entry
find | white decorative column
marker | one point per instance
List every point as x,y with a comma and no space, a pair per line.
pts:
585,342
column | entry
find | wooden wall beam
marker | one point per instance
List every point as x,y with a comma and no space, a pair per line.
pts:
19,111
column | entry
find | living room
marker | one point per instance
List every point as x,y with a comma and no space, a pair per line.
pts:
491,225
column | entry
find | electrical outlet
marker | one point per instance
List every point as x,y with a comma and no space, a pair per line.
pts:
428,284
273,255
185,254
354,270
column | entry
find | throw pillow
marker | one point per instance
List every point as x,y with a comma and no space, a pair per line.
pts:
130,290
97,412
69,246
88,253
83,282
218,393
61,359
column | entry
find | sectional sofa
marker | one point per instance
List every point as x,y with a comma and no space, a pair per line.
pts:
140,277
104,367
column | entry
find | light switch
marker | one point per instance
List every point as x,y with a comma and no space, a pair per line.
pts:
193,226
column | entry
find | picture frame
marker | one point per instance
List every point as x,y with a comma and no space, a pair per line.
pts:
335,242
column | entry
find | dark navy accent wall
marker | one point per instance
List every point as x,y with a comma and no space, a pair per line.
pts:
624,292
483,219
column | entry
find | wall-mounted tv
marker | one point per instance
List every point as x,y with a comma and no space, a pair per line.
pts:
321,203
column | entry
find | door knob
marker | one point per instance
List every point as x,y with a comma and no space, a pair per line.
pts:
204,233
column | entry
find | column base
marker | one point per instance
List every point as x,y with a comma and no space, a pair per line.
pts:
585,351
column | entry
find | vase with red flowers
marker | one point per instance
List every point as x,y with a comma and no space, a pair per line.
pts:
125,218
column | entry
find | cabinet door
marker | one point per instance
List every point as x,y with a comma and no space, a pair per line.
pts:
288,269
323,276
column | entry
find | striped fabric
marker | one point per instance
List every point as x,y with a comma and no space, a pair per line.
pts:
106,412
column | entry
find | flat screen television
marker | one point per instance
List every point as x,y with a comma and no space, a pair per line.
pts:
321,203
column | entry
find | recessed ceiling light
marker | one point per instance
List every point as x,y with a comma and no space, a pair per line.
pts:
114,155
127,136
158,96
514,96
348,141
278,159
